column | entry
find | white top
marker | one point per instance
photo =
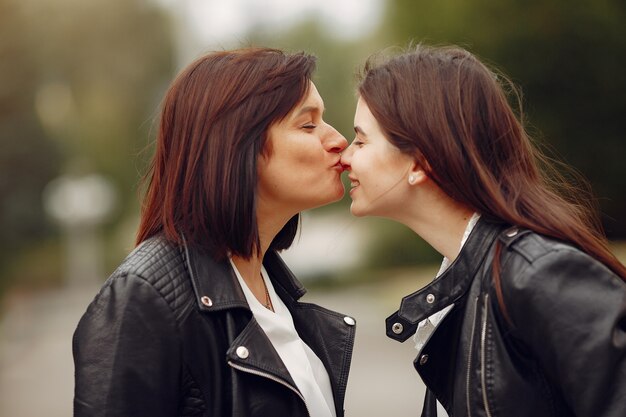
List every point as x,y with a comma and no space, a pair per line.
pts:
303,365
427,326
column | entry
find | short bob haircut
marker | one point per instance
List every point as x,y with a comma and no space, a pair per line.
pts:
202,181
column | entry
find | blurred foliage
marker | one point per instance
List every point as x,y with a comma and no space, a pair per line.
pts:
569,59
27,159
79,81
396,245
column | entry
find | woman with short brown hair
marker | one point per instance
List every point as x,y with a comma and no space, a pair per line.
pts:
203,318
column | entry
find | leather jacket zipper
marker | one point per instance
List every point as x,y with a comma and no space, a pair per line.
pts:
469,360
273,378
483,337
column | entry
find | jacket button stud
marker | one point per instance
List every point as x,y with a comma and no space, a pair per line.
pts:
349,321
242,352
423,359
512,232
206,301
430,298
397,328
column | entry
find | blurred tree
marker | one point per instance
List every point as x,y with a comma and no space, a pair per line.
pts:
78,81
27,159
569,58
106,63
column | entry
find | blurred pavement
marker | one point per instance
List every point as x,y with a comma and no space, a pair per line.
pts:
36,368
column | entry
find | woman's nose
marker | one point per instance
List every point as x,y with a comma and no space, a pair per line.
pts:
335,142
346,157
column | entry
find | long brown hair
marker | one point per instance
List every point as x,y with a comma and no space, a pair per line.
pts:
452,113
202,181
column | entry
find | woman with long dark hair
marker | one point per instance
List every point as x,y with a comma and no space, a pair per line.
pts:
527,315
203,317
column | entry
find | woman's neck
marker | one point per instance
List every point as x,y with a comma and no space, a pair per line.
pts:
269,224
250,271
439,220
445,232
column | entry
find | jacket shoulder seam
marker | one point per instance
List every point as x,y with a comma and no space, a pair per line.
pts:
162,266
522,247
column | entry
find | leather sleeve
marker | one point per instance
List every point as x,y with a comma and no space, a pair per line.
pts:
570,312
126,353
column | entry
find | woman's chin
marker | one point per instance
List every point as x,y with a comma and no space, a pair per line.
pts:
357,211
331,197
340,191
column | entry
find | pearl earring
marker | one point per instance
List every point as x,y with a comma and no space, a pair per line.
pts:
412,179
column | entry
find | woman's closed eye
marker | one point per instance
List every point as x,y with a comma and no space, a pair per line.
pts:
309,126
357,142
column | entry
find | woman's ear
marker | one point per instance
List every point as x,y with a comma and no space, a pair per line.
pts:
417,174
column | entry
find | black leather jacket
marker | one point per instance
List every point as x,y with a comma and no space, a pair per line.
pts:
564,351
162,337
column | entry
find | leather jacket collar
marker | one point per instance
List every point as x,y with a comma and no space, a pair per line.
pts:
222,290
448,287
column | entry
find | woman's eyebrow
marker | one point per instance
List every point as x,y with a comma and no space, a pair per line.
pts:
360,131
306,109
310,109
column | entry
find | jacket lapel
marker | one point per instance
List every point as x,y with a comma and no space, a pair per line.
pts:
329,334
216,288
448,287
253,352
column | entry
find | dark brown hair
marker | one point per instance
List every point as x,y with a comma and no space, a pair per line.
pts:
201,184
448,110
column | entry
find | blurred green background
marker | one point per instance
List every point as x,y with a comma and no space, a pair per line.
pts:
81,82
